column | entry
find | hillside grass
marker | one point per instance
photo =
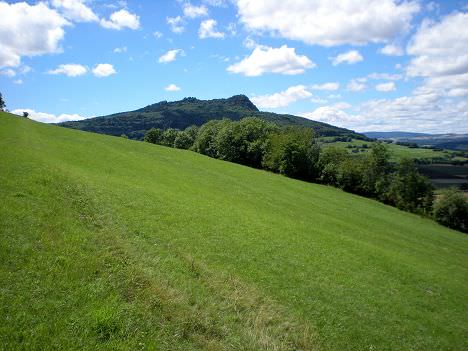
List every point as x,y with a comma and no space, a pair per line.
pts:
113,244
397,152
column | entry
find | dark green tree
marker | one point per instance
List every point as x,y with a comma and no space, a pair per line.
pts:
169,136
409,190
329,164
451,210
183,140
293,152
154,136
206,139
376,171
2,103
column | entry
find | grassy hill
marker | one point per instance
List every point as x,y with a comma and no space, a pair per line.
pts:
191,111
114,244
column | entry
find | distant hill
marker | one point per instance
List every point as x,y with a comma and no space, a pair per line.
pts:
394,135
192,111
442,141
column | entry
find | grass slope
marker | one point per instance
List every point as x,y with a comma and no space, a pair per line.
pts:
112,244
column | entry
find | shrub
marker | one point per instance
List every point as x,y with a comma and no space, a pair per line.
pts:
451,210
154,136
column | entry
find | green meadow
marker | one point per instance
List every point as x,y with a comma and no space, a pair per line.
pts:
113,244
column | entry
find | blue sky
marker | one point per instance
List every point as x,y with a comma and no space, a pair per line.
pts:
365,65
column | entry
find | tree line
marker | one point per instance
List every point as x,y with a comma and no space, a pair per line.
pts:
295,152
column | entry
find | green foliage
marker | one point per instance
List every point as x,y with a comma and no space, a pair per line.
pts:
451,210
293,152
244,142
329,163
168,137
409,190
376,172
2,103
206,142
154,136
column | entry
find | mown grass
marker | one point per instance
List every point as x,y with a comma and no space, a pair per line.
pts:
115,244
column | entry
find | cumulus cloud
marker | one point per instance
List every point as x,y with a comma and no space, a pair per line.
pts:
192,11
264,59
208,30
70,70
48,117
176,24
326,86
75,10
355,85
440,48
349,57
170,56
385,87
392,50
440,56
41,35
329,22
172,87
419,112
282,99
103,70
121,19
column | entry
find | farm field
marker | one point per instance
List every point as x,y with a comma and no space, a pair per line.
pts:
114,244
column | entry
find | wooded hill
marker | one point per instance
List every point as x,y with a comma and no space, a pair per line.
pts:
191,111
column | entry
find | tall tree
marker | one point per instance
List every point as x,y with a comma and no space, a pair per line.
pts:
2,103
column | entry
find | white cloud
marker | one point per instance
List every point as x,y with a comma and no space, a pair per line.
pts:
120,50
342,105
326,86
28,30
385,87
329,22
328,114
249,43
385,76
264,59
157,34
392,50
172,87
318,100
282,99
176,24
440,51
48,117
70,70
170,56
440,48
18,81
216,3
349,57
420,112
355,85
121,19
208,30
103,70
192,11
8,73
75,10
